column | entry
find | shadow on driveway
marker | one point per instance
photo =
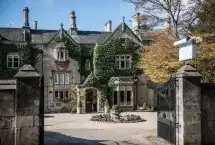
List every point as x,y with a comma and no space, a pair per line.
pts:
48,116
55,138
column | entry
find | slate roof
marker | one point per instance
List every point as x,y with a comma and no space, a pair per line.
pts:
40,36
83,37
90,37
14,34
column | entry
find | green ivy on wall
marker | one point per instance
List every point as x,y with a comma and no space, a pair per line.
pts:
104,64
79,53
28,55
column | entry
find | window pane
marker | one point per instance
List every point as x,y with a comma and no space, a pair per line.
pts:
56,78
56,94
61,95
16,57
9,64
128,64
61,55
66,78
128,56
16,64
122,57
117,63
115,98
61,79
128,97
9,58
122,98
122,64
66,95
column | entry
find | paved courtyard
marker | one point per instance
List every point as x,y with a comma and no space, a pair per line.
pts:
66,129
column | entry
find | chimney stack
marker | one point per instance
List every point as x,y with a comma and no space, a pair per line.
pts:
26,18
73,27
136,21
35,25
108,26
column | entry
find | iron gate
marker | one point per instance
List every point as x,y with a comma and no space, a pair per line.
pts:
166,115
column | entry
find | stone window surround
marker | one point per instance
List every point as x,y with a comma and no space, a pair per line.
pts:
124,88
65,94
62,54
65,78
126,59
13,56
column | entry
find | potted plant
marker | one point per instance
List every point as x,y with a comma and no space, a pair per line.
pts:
79,107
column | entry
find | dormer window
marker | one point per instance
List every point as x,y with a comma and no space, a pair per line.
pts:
62,55
13,60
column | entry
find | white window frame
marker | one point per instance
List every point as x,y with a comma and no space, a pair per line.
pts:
56,76
66,76
87,64
13,55
123,58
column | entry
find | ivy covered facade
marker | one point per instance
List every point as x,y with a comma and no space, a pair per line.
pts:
100,65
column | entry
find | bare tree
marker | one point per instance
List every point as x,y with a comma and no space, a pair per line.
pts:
177,13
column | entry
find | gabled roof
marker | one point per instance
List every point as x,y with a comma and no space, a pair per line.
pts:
13,34
2,38
126,33
61,32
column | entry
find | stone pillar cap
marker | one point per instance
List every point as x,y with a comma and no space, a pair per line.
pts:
27,71
188,70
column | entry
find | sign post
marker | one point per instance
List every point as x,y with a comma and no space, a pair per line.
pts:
187,48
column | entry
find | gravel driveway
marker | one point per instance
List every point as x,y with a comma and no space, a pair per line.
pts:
72,129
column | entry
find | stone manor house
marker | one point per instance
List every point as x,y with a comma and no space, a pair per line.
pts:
61,72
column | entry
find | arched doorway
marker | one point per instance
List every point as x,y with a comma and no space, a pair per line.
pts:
91,100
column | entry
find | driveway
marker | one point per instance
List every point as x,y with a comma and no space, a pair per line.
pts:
71,129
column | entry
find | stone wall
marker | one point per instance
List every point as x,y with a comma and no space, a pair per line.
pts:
7,112
21,109
28,112
208,113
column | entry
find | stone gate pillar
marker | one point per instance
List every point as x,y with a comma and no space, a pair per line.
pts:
188,106
28,120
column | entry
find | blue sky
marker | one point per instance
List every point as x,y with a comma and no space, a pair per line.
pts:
91,14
